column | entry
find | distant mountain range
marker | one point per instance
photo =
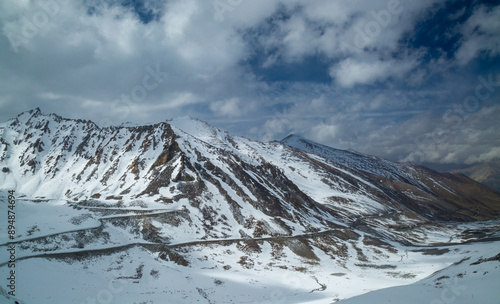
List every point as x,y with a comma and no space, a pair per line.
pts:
196,185
487,173
47,156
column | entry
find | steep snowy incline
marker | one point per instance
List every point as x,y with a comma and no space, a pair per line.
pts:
227,193
231,186
442,196
48,156
354,160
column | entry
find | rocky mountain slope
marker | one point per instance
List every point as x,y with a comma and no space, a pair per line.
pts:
189,161
184,195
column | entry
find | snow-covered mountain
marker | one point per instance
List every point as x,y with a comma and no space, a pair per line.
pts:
187,196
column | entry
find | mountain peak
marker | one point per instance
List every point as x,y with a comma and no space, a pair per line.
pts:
30,113
301,143
183,120
291,137
199,129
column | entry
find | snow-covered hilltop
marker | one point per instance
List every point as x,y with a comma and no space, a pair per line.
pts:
188,194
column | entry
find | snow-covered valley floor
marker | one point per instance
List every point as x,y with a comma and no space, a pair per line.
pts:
71,254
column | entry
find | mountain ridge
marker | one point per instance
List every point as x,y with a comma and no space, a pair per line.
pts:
141,161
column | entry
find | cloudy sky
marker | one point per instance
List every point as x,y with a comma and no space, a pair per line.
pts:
407,80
